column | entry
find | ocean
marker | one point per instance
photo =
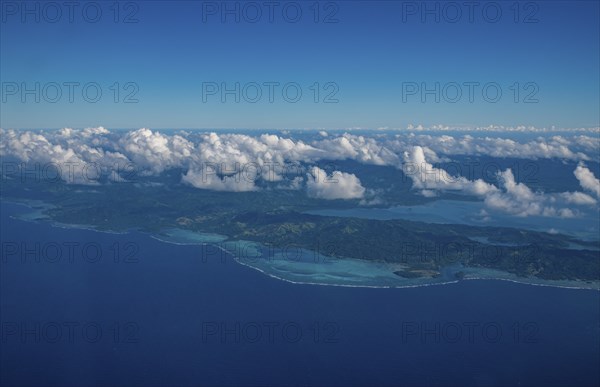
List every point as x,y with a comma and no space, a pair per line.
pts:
80,307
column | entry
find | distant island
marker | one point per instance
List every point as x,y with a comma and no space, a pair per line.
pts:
276,218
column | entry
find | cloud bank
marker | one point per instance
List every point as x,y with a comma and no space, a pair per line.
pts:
236,162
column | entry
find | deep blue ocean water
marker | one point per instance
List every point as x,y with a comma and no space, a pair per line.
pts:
172,316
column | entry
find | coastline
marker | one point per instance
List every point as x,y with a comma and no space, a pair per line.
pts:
595,286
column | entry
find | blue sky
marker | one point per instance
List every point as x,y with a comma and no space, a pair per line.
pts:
371,58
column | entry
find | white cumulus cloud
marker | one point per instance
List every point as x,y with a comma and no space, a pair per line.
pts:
338,185
587,180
